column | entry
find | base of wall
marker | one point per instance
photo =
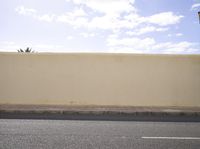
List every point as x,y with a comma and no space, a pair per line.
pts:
179,114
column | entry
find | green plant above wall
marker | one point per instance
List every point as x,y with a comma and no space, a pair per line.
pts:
27,50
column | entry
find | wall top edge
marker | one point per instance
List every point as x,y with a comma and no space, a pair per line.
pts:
100,53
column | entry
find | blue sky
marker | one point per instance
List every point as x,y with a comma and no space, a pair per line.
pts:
113,26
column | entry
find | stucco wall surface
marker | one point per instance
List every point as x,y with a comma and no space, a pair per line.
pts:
100,79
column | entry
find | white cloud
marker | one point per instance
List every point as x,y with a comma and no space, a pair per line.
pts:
33,13
164,19
169,35
134,42
130,21
87,35
146,29
78,12
179,34
70,16
9,46
180,47
76,18
116,15
124,50
195,6
112,7
46,47
70,37
105,22
7,42
149,45
46,17
25,11
110,19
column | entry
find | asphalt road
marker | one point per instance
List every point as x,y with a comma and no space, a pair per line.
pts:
60,134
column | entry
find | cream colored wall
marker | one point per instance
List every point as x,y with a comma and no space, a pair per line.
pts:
100,79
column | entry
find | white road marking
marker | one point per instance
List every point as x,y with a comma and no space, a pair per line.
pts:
173,138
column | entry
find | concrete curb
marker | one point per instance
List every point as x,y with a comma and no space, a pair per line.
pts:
112,113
